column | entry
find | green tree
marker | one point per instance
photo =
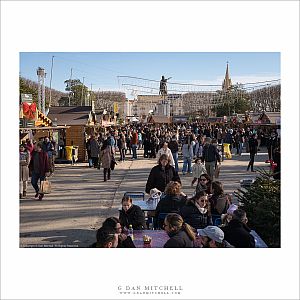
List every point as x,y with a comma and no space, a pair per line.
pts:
26,88
235,100
261,201
77,91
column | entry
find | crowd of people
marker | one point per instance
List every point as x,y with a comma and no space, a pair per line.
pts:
190,141
208,218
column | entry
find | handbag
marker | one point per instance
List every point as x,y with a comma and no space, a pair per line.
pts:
113,163
45,187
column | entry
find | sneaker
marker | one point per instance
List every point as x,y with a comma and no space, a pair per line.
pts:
41,197
36,196
183,173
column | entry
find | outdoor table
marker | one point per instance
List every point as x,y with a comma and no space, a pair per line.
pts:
148,205
259,243
159,238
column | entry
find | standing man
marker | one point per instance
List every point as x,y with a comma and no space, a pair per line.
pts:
40,169
210,155
94,151
134,144
174,147
253,144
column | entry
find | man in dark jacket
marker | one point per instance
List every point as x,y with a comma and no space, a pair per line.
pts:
39,166
131,215
237,233
161,175
253,144
210,155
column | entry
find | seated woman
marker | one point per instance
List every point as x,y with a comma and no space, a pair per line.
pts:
219,201
204,184
161,174
124,241
172,201
131,215
181,234
197,211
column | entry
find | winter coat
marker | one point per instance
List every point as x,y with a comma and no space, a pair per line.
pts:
159,177
219,204
198,150
106,157
128,243
134,139
24,166
170,204
94,148
173,146
210,153
121,144
179,239
191,215
253,144
168,153
43,162
238,234
198,170
133,216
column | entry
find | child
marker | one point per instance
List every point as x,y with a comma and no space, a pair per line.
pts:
198,169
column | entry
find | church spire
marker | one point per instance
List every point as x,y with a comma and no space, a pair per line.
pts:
227,81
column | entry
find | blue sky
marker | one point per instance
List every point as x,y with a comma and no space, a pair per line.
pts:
101,69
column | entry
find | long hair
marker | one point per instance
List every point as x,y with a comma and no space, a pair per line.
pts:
217,188
164,157
176,221
173,188
197,196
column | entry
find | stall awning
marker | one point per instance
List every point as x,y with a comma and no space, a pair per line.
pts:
44,128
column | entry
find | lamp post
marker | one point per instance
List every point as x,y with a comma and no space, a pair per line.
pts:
50,93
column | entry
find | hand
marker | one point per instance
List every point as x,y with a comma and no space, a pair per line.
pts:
122,236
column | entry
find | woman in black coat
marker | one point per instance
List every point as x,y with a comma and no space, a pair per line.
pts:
197,211
161,175
131,215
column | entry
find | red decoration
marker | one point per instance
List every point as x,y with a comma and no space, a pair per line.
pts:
29,110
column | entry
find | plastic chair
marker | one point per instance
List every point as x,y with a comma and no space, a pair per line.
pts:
216,219
135,195
217,222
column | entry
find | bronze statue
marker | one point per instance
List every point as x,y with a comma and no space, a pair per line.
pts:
163,86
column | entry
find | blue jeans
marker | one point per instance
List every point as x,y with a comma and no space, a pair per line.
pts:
134,155
175,157
187,162
35,179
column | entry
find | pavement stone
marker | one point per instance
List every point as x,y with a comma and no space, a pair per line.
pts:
80,200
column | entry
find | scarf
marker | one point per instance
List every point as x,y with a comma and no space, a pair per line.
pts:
202,210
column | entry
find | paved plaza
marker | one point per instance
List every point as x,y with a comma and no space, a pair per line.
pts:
80,200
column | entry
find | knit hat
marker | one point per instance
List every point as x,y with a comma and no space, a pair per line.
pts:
231,209
213,232
155,193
